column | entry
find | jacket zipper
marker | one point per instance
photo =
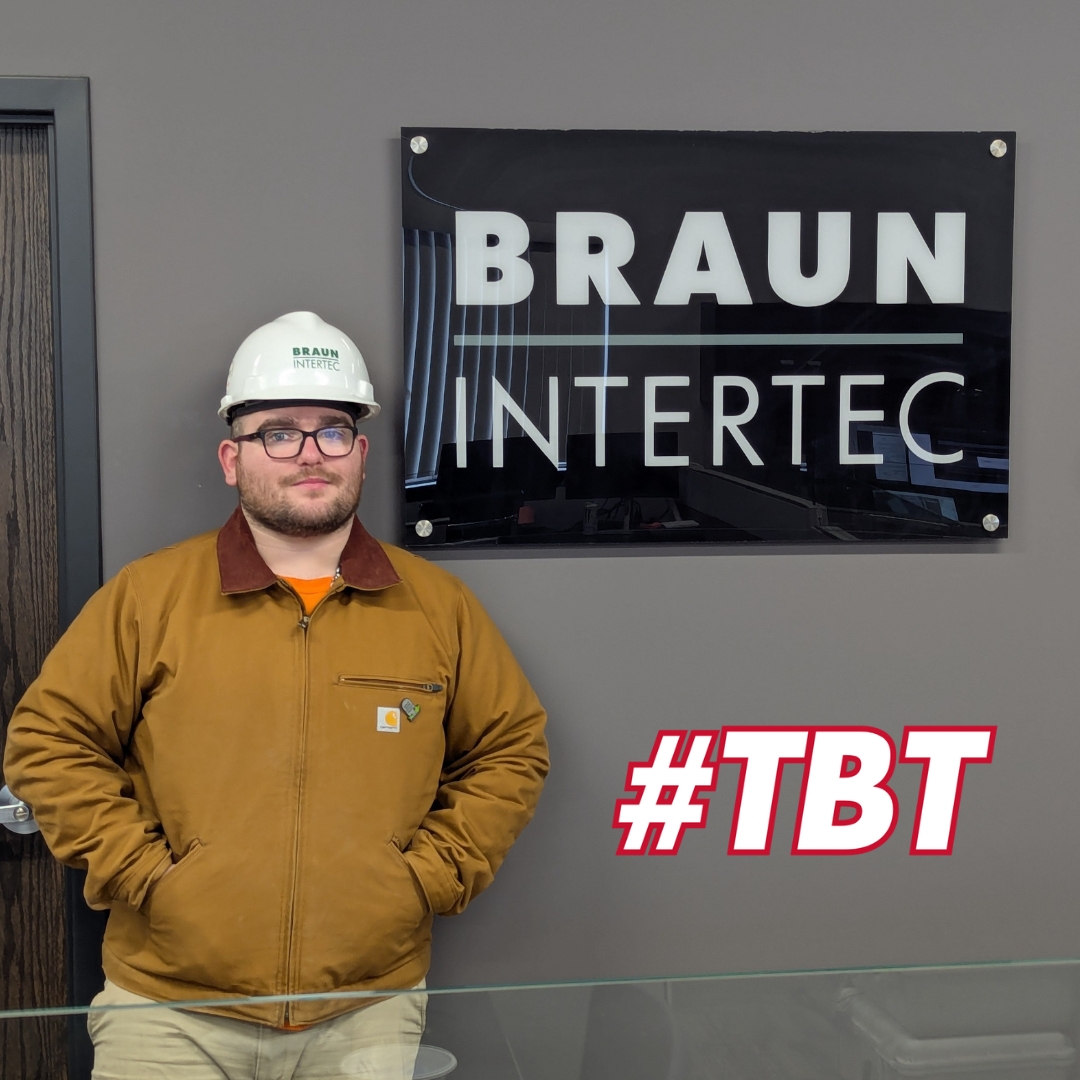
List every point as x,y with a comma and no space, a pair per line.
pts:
304,623
390,684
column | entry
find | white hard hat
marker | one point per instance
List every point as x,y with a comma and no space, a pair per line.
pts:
298,357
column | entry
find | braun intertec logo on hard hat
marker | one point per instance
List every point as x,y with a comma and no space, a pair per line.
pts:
316,359
650,336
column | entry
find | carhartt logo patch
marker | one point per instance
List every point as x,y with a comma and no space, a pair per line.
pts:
388,719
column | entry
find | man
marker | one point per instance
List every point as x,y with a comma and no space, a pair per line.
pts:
278,750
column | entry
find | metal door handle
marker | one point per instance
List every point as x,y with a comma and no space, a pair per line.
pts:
15,814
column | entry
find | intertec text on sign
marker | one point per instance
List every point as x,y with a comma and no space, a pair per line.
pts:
846,806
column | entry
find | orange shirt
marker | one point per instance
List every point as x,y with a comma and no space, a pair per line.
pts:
310,590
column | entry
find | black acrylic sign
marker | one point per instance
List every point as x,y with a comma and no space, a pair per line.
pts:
619,337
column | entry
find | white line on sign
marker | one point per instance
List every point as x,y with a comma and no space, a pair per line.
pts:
708,339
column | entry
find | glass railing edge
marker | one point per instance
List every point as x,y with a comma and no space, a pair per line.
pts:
566,984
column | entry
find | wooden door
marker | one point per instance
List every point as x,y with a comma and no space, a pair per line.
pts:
32,924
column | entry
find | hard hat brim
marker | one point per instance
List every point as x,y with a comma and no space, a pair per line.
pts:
360,410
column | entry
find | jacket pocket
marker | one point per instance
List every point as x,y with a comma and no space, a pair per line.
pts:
169,878
399,851
379,682
190,931
363,921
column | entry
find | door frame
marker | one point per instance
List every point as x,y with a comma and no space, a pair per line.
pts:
63,105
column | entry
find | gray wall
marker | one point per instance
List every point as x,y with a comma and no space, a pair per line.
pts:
245,165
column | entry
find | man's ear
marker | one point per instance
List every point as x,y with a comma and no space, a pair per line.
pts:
365,445
227,453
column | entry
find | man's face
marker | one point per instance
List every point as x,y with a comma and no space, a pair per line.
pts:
309,495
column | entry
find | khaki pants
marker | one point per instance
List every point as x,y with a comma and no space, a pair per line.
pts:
375,1043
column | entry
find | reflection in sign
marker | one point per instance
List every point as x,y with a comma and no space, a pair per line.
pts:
627,337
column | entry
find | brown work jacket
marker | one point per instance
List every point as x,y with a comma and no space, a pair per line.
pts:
324,783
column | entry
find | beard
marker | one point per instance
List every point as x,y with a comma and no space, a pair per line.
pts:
267,502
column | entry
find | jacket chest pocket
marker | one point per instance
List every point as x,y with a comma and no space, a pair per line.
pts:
404,701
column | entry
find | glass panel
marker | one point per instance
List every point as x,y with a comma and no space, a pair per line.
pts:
995,1020
618,337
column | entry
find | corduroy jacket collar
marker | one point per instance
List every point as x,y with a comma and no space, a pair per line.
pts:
364,564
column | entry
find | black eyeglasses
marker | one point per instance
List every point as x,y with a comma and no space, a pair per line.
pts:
283,443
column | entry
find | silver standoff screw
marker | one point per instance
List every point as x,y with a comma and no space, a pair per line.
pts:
999,148
418,145
991,523
424,528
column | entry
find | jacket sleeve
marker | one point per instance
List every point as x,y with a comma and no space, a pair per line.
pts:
496,761
66,746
